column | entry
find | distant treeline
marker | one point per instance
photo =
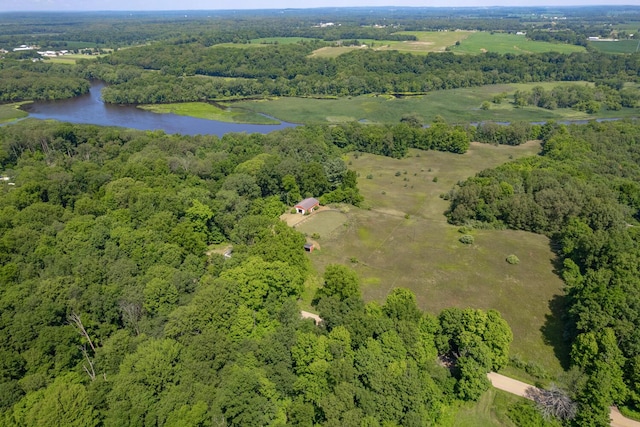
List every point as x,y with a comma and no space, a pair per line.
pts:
287,70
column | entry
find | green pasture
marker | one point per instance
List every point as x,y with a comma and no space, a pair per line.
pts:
402,239
202,110
480,42
621,46
10,112
432,41
279,40
455,105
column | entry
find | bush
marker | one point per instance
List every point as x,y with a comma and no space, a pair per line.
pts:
370,176
467,239
465,229
398,173
315,236
513,260
435,179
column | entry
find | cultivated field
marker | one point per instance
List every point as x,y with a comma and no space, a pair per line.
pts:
480,42
455,105
405,241
621,46
428,41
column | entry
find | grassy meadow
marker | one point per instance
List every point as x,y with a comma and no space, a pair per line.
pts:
455,105
404,240
10,112
489,411
427,41
480,42
203,110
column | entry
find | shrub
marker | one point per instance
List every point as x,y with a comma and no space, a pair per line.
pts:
513,260
398,173
370,176
435,179
315,236
467,239
465,229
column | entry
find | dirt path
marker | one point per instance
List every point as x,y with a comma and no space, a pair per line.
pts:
619,420
508,384
519,388
307,315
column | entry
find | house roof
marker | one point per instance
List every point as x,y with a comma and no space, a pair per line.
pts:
307,204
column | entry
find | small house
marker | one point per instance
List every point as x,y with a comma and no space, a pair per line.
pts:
308,247
307,205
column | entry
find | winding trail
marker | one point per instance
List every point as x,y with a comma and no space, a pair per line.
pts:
519,388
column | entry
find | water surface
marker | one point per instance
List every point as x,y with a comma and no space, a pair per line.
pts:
90,109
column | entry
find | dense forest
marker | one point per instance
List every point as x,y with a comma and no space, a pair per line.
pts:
114,313
120,303
583,192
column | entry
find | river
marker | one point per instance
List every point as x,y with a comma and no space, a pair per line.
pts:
90,109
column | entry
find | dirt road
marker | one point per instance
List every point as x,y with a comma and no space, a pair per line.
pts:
307,315
518,388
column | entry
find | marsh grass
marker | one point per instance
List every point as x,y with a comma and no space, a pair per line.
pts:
207,111
422,252
11,112
454,105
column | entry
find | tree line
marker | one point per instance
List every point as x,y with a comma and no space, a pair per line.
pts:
287,70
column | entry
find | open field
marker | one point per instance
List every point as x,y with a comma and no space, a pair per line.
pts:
71,58
455,105
621,46
480,42
279,40
10,112
405,241
202,110
428,41
489,411
324,223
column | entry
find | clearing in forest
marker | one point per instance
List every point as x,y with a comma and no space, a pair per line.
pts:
404,240
427,41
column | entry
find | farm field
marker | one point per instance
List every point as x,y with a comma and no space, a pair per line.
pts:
621,46
10,112
71,58
404,240
202,110
455,105
428,41
279,40
480,42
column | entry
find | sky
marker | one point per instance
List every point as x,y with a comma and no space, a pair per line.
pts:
80,5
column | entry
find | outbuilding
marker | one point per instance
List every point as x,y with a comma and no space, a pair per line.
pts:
307,205
308,247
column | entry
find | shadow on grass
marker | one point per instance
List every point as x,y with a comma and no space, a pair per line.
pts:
553,330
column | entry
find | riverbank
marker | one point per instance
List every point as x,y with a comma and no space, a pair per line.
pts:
11,112
207,111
